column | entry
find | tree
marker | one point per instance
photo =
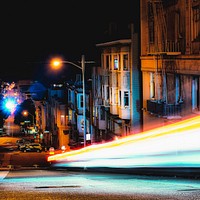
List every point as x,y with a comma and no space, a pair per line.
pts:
27,105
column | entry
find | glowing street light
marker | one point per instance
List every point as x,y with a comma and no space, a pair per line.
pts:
56,64
26,113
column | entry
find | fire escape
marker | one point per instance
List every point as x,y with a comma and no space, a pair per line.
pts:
161,48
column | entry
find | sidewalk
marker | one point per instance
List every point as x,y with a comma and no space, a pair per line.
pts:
156,122
17,160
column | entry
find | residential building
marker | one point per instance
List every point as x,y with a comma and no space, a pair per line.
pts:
117,90
170,59
134,91
23,88
56,128
75,112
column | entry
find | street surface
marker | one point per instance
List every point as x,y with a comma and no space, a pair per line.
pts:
47,184
27,176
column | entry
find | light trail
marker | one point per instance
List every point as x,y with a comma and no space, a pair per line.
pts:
174,145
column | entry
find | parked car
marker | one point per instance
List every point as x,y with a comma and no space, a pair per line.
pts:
31,147
22,142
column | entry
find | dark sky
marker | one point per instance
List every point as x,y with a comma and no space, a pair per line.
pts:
34,30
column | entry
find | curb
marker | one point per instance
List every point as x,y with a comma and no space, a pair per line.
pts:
15,168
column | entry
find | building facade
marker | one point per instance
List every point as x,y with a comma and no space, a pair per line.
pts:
55,117
75,113
170,58
132,90
116,90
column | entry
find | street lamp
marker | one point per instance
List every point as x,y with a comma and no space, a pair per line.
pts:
57,63
26,113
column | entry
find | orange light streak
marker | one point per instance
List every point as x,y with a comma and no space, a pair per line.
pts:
185,126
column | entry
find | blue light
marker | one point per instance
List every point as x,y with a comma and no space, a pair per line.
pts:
10,104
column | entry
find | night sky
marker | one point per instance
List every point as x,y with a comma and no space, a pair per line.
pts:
34,30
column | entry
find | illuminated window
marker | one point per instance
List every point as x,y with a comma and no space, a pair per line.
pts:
116,63
70,115
62,119
152,85
178,88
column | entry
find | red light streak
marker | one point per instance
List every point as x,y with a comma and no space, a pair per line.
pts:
178,137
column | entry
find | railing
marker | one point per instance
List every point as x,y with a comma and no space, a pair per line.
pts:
169,46
163,109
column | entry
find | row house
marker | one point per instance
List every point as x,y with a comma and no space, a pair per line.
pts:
117,90
75,112
170,58
55,116
60,117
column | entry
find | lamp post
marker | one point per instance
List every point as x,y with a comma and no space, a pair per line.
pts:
57,63
26,113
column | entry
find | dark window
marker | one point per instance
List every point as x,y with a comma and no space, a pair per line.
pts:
126,98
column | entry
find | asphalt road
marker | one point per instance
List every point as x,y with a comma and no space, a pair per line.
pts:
58,185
